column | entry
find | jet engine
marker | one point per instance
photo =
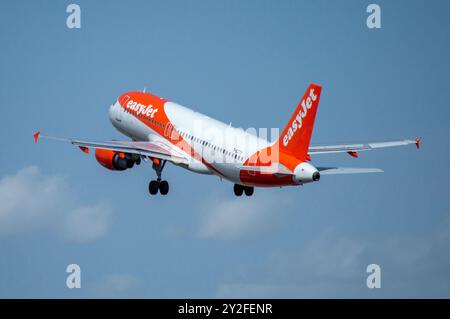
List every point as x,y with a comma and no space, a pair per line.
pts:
116,161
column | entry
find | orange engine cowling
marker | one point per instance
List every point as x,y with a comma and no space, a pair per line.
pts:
116,161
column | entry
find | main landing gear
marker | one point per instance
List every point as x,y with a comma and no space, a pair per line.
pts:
240,189
158,184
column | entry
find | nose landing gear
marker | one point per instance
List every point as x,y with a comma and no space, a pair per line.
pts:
158,184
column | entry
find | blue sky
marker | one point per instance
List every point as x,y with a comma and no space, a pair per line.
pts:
245,62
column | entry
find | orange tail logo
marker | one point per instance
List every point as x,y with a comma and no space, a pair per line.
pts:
295,138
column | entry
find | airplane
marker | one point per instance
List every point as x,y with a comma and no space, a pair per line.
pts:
162,131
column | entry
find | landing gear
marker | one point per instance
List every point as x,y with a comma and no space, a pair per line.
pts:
240,189
248,190
158,184
153,187
163,187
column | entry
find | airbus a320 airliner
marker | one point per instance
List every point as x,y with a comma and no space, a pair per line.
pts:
162,131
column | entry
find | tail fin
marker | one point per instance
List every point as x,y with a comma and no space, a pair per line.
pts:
294,140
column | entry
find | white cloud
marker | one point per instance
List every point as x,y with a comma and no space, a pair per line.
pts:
87,223
322,267
116,285
328,256
30,201
333,265
242,217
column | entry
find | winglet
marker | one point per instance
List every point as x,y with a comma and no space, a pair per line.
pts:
418,142
36,136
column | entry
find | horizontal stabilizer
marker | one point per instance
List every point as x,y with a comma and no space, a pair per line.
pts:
353,148
347,170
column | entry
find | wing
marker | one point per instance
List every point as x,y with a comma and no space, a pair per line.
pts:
352,149
158,149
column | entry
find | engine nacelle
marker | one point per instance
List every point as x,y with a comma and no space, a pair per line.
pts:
116,161
306,173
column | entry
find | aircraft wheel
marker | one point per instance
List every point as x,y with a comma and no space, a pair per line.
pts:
153,187
163,187
249,190
238,189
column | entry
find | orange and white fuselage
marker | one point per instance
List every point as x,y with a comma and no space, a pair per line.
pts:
212,146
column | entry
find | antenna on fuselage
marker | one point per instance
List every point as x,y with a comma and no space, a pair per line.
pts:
144,89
